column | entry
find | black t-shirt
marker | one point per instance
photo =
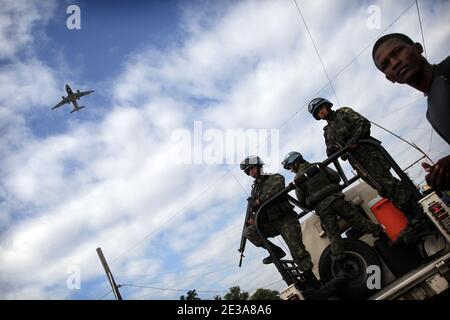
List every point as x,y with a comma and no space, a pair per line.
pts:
438,112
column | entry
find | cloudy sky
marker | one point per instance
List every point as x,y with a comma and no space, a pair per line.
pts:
148,171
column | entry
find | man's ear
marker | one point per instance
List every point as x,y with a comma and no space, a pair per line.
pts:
418,48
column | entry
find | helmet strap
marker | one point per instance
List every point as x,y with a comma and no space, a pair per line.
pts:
258,171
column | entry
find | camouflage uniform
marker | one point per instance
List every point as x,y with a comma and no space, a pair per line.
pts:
322,194
278,218
345,127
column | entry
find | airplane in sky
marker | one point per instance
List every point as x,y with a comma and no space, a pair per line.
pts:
72,97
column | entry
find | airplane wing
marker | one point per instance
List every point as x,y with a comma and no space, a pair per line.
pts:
85,93
62,102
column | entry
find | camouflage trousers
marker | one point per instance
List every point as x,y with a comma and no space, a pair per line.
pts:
289,228
391,188
348,212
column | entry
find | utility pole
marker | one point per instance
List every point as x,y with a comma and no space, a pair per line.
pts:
109,275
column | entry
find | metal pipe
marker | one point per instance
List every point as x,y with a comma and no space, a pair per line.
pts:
339,169
295,201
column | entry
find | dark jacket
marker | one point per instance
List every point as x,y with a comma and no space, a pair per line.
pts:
320,191
266,186
438,112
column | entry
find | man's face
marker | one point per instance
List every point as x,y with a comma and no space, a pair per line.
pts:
253,172
294,167
398,60
323,112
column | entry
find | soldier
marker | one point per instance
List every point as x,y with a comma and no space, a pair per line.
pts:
401,61
322,194
345,128
278,218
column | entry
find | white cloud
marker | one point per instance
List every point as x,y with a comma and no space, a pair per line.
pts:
18,21
27,85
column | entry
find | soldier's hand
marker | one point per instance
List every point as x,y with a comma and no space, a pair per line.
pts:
332,148
256,205
330,151
439,174
426,166
353,146
251,221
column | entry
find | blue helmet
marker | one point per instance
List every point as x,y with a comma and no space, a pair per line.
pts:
315,105
250,162
290,158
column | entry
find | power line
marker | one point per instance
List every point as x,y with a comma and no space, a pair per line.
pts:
370,44
317,50
272,283
397,109
181,271
104,296
171,218
421,30
242,187
350,63
431,140
406,141
167,289
258,255
269,284
426,56
439,153
228,266
186,290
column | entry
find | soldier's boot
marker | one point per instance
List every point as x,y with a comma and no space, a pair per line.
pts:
407,236
337,250
311,279
376,230
278,252
418,226
370,227
305,264
415,214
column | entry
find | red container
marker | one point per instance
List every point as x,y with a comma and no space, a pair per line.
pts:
393,220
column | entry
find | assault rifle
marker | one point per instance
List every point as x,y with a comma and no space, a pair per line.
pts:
248,214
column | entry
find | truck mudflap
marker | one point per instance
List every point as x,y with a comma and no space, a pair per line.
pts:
439,266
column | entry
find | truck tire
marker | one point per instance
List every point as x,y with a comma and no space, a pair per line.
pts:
359,256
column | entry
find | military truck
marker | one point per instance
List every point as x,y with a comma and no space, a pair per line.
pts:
376,269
